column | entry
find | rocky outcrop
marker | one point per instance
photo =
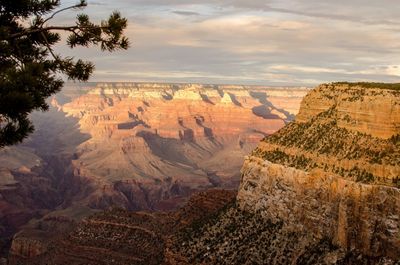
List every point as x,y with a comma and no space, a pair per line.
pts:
370,110
326,141
27,248
334,171
354,216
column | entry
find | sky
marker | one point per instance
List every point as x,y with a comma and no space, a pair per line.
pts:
263,42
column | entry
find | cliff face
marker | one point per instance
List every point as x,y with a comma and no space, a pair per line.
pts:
373,111
334,172
354,216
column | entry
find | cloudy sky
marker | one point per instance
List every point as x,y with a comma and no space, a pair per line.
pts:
268,42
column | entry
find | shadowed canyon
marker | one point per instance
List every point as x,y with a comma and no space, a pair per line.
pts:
138,146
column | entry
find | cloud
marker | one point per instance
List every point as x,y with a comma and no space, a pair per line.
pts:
185,13
291,42
334,16
349,10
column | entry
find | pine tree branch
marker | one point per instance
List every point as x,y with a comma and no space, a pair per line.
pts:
62,10
48,47
42,29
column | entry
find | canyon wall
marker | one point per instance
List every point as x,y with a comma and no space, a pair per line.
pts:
152,142
333,172
372,111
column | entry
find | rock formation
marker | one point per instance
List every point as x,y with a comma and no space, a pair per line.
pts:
151,142
338,166
322,190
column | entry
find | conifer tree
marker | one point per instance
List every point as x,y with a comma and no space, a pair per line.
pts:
30,70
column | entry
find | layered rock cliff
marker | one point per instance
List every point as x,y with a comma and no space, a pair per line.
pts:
337,165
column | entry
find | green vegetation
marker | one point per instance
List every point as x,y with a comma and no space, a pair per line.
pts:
390,86
279,157
322,136
395,139
235,236
303,163
396,182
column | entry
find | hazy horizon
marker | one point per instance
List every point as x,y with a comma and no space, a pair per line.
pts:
260,83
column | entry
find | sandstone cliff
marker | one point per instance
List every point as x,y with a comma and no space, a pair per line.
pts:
334,172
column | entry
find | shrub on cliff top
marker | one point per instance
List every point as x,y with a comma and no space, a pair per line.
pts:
391,86
30,68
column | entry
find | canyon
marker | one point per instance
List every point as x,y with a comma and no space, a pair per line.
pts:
324,189
138,146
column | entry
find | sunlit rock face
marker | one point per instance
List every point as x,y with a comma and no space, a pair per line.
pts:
334,172
152,142
374,111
